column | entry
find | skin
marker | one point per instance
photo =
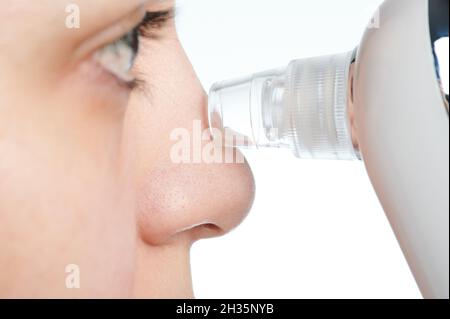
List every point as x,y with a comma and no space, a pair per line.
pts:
85,171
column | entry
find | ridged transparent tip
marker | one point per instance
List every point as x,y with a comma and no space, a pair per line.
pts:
303,107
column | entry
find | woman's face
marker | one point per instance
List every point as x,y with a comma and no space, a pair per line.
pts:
88,179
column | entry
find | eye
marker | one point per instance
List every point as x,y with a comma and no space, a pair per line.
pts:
118,57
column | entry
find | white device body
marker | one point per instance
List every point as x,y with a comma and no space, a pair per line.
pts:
384,106
403,132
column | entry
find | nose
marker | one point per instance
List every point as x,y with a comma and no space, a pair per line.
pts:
195,198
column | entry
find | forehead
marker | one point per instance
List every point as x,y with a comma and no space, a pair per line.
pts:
104,9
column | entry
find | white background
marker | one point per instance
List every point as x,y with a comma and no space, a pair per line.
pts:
316,229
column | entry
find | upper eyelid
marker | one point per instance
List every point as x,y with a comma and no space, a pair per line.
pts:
111,33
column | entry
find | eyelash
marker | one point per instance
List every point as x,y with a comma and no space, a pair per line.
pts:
153,21
118,57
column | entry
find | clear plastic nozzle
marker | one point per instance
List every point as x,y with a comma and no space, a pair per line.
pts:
303,106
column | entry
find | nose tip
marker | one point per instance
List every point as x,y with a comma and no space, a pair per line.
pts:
203,200
234,196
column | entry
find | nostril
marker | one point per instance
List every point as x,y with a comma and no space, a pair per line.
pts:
208,230
213,228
